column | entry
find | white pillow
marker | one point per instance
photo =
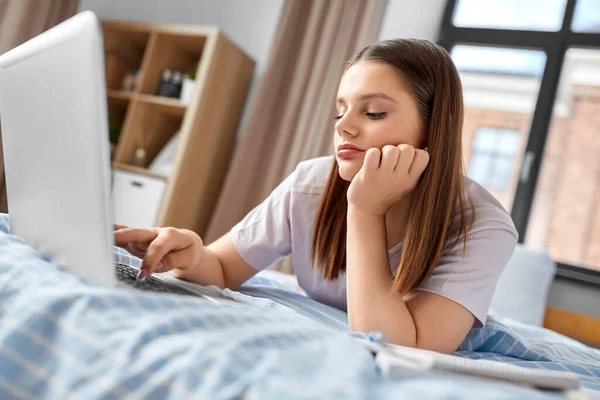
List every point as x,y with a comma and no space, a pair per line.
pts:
522,289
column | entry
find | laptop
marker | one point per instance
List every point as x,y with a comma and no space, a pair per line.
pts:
54,122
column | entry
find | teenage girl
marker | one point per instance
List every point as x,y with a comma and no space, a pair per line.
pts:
388,229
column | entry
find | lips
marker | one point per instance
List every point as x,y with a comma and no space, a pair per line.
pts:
348,150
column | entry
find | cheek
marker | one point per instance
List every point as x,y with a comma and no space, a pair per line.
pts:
397,131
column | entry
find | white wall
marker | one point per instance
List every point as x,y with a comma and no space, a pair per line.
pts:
418,19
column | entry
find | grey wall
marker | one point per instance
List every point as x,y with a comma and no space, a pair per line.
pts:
412,19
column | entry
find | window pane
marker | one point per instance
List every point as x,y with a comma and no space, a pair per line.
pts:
500,177
499,60
587,16
565,216
500,90
533,15
480,168
485,140
510,142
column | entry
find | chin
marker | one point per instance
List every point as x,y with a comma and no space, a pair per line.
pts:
347,169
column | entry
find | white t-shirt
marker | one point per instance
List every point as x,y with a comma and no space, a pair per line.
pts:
283,224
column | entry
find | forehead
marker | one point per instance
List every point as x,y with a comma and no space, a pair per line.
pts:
370,76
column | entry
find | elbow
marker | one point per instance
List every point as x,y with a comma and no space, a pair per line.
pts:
229,285
404,339
419,343
438,348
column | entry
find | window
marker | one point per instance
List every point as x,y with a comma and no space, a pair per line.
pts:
587,16
535,15
492,157
531,85
500,89
499,60
565,218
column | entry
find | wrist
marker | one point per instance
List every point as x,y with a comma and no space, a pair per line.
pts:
361,213
201,257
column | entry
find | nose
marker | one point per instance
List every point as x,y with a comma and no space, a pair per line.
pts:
346,126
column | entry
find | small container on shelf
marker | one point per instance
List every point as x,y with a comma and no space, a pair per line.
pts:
170,84
187,89
140,158
129,81
177,82
163,85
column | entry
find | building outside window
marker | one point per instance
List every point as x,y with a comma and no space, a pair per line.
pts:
492,157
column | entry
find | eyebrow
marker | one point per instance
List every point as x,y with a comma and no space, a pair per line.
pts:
369,96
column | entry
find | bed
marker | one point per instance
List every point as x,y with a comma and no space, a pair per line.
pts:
62,339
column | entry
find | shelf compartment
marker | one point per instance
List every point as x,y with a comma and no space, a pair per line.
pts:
172,50
117,108
150,128
124,48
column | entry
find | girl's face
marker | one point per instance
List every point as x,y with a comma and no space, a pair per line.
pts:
374,109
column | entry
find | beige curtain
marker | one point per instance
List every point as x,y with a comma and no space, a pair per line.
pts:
291,118
21,20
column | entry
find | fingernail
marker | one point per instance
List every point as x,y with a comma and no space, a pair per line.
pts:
141,276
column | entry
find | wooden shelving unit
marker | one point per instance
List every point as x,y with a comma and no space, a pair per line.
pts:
207,123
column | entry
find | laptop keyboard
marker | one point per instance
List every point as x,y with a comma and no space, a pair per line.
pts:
128,275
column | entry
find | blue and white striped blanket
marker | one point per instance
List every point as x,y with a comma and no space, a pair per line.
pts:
62,339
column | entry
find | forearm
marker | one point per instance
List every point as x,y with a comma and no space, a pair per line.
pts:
372,305
208,271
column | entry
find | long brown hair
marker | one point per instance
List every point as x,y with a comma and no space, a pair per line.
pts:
429,72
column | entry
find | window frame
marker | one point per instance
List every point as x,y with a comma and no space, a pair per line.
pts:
555,45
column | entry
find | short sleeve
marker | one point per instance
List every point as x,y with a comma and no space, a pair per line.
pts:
470,279
264,236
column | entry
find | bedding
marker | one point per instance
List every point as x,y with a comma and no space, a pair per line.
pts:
62,339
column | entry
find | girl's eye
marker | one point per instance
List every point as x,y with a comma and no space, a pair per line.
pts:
375,115
338,117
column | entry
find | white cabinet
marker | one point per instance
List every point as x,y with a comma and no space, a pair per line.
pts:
136,198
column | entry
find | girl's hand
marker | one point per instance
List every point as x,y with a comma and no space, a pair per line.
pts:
386,177
161,249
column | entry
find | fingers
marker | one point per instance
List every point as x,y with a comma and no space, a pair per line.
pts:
389,157
157,250
407,153
166,252
420,162
372,159
133,235
117,227
136,249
